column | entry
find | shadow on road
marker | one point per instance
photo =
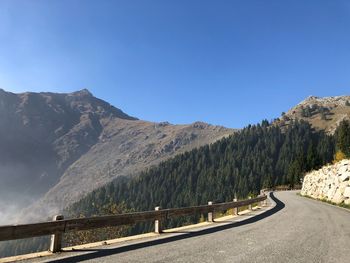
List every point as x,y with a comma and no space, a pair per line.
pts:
99,253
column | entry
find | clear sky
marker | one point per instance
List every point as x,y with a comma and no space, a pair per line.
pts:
230,62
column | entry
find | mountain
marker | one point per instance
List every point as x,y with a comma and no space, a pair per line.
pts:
56,148
161,169
322,113
256,157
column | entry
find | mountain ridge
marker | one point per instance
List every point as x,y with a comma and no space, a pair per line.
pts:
61,146
323,113
45,136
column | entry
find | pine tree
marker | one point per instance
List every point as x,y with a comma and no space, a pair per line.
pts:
342,137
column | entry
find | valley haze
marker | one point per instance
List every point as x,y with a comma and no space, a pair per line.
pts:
57,147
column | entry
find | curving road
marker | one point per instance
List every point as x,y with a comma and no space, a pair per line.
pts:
296,229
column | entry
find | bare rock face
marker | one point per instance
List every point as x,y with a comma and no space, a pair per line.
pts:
55,148
124,148
322,113
41,135
329,183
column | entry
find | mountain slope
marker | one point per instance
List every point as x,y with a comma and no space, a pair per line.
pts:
41,134
125,148
256,157
71,141
322,113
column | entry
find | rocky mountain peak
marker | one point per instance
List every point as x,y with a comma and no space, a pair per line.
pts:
44,133
83,92
60,146
332,101
323,113
311,97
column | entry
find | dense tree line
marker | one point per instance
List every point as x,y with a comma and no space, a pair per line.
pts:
256,157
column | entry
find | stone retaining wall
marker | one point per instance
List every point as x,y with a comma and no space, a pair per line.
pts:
331,183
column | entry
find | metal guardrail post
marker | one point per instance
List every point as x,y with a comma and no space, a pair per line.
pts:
56,239
210,214
261,202
250,205
157,223
235,209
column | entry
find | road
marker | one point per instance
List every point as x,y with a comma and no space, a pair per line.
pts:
297,229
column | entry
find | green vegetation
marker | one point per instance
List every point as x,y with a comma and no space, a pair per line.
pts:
80,237
307,112
339,155
21,246
257,157
342,137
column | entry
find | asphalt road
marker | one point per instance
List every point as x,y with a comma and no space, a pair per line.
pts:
295,230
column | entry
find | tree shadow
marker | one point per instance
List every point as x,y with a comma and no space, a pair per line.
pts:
103,252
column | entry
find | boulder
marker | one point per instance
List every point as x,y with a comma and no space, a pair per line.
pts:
345,176
347,192
337,198
342,186
344,162
342,169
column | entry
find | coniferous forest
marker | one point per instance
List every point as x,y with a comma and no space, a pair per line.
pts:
258,156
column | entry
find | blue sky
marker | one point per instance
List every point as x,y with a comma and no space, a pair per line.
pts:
224,62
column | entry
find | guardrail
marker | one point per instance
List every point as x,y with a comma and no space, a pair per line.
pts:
282,188
60,225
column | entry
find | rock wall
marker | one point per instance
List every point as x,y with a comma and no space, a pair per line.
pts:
329,183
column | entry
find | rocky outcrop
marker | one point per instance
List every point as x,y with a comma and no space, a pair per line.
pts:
322,113
331,183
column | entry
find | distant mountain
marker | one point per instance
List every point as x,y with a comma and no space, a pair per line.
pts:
59,147
322,113
258,156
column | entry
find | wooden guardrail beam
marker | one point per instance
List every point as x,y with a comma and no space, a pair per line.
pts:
12,232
